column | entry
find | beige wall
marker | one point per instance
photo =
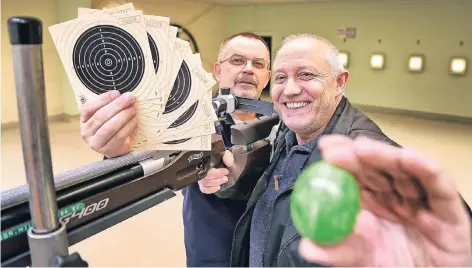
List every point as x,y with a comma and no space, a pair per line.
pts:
59,95
46,10
439,25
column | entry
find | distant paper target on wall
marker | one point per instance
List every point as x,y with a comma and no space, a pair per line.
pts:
416,63
344,58
377,61
458,66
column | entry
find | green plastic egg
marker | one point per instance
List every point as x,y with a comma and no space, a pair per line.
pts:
325,203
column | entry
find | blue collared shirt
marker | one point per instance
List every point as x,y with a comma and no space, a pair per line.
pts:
285,173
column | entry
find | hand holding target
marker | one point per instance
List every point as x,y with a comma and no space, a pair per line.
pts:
108,122
121,49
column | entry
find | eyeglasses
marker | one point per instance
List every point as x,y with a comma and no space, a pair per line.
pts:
239,60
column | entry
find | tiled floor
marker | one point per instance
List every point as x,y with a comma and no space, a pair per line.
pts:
155,237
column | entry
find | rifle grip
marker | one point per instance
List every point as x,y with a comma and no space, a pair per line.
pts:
218,150
216,161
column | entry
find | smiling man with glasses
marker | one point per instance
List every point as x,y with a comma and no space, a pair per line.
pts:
209,221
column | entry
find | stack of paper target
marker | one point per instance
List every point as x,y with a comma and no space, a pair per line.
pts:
123,49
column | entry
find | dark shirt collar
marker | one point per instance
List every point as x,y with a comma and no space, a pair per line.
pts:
291,143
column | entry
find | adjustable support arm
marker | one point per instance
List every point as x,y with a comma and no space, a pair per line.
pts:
47,237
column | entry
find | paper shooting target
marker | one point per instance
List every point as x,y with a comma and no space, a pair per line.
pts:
125,50
182,120
179,94
106,57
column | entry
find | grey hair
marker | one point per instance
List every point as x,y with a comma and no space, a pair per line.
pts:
332,56
248,35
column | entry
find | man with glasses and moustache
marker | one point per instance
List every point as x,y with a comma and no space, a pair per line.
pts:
107,123
243,66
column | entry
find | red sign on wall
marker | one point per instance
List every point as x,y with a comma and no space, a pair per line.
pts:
351,32
346,32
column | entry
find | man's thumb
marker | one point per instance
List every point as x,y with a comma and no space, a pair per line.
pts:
228,158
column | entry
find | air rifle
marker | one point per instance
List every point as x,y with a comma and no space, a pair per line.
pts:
42,219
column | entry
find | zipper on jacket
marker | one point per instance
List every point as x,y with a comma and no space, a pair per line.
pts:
285,246
289,189
250,207
249,211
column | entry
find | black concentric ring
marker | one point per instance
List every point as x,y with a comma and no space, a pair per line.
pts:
154,53
185,117
182,120
107,58
180,90
177,141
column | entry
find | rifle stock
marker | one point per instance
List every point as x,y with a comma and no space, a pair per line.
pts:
106,198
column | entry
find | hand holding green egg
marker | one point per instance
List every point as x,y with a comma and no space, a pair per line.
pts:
414,217
325,203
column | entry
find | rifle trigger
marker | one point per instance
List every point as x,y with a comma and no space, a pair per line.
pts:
202,169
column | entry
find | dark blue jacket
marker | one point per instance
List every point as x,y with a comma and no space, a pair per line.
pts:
209,222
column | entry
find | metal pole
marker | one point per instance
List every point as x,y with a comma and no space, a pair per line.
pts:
47,238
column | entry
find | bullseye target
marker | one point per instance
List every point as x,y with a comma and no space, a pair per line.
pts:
125,50
106,57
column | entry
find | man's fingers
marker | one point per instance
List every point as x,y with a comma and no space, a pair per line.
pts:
398,191
353,251
104,114
90,108
214,182
228,159
120,126
416,181
216,173
336,256
365,159
340,152
443,196
119,144
209,190
334,140
375,203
